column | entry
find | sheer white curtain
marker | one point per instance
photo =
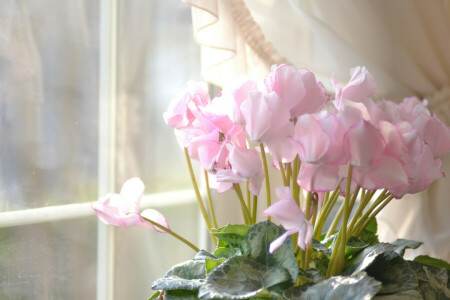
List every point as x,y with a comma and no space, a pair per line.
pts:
404,44
49,124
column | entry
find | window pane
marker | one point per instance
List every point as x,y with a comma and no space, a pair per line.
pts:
48,102
143,256
157,55
49,261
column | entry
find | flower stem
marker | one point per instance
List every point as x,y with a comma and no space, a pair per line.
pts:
325,211
255,208
266,173
210,203
295,186
305,262
199,198
374,214
288,173
249,204
337,260
283,174
336,220
346,216
308,205
366,215
365,198
175,235
245,212
341,211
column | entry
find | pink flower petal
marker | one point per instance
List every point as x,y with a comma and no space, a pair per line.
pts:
387,172
156,217
133,190
318,178
361,85
364,144
245,162
277,243
312,138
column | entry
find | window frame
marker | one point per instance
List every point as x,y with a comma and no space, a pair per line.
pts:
107,102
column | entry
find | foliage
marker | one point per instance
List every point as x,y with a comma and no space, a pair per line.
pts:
241,267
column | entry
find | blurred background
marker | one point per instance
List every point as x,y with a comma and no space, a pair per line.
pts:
49,124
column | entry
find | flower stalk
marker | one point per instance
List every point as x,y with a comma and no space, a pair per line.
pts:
199,197
174,234
266,174
210,203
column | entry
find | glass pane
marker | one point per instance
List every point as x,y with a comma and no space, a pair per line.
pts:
143,255
49,261
157,55
48,102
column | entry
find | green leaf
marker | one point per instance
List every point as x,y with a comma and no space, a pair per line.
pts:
232,236
202,255
188,275
369,235
365,258
439,263
177,283
318,246
384,264
372,227
405,295
241,278
329,240
433,281
322,265
233,241
314,275
260,236
211,264
155,295
338,287
395,274
180,295
191,269
238,229
402,245
354,246
224,252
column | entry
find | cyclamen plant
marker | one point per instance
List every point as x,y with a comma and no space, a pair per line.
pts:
367,152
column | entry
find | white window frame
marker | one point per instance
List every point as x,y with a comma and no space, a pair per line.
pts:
106,167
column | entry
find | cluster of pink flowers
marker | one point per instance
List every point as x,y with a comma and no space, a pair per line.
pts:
393,146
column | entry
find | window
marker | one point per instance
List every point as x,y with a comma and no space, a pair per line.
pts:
62,144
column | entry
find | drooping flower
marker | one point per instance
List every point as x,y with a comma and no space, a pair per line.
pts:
179,113
267,121
210,134
123,209
291,218
298,89
234,93
245,165
373,168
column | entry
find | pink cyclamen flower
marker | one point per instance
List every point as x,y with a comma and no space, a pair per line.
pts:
298,88
179,113
245,164
291,218
123,209
361,85
267,121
